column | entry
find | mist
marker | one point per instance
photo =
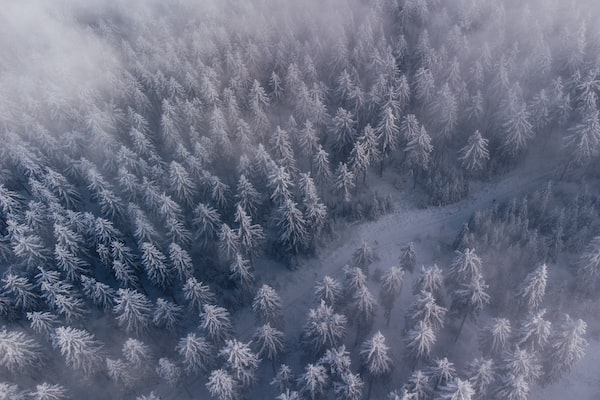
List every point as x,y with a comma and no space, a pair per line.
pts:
317,199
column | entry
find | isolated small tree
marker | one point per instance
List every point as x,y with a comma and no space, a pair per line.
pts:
474,155
350,387
82,352
375,359
167,315
267,306
18,352
419,341
47,391
197,294
494,336
270,343
222,386
240,361
215,321
532,290
324,328
196,352
391,286
133,310
481,374
284,378
568,346
328,290
313,381
169,371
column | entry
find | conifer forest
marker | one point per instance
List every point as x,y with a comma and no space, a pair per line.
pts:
299,200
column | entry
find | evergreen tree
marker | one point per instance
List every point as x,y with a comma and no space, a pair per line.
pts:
457,389
216,323
290,226
494,336
82,352
513,387
363,309
181,262
42,322
249,235
419,341
470,299
408,258
197,294
169,371
196,352
284,379
228,242
387,132
532,290
313,381
337,361
240,361
475,153
21,290
270,343
167,315
18,352
568,346
344,182
481,375
418,150
426,309
155,265
534,331
207,221
324,328
47,391
363,257
248,198
328,290
520,362
375,358
222,385
267,306
588,273
133,310
320,167
465,267
343,132
101,294
391,286
350,387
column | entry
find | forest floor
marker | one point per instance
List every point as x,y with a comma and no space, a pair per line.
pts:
432,230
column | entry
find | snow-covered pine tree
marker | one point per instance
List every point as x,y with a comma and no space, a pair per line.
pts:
228,242
169,371
72,265
99,293
82,352
240,361
207,222
440,372
315,212
429,280
138,356
337,361
267,306
363,308
426,309
418,383
375,358
270,343
457,389
313,381
363,256
21,290
513,387
11,392
290,226
248,198
216,322
167,314
280,183
343,132
150,396
391,286
470,299
583,139
568,346
354,279
240,272
196,293
222,386
531,291
520,362
588,272
475,153
465,267
324,328
308,140
534,331
119,372
42,322
181,262
133,310
419,341
181,184
350,387
48,391
481,373
328,290
249,235
72,307
408,258
387,132
418,151
321,168
494,337
284,378
155,265
196,353
19,353
344,182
